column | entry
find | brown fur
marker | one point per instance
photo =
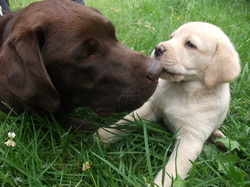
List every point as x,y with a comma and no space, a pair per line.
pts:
57,55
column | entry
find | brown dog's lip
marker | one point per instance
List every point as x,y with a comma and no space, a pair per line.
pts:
105,113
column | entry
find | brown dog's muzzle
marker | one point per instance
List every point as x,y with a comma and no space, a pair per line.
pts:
126,86
153,71
133,81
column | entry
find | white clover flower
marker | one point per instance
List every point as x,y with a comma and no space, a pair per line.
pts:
86,166
11,135
10,142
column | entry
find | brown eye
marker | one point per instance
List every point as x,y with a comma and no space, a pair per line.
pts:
189,44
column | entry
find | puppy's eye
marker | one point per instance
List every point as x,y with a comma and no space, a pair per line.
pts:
189,44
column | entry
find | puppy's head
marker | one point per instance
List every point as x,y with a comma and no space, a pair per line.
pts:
198,51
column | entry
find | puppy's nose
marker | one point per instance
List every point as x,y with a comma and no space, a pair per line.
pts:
154,70
159,50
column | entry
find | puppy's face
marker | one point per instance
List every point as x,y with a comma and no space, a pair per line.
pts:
198,51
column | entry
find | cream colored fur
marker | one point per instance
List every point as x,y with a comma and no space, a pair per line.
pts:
193,93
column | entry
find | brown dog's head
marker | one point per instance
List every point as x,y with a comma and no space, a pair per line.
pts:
58,55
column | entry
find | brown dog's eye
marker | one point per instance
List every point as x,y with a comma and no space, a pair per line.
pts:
189,44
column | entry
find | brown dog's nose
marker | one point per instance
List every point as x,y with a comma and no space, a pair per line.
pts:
154,70
159,50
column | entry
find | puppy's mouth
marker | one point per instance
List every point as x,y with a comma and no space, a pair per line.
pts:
165,71
171,75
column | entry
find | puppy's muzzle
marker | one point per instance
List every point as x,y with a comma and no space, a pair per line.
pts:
159,50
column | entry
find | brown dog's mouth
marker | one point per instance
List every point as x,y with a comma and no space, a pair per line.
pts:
105,113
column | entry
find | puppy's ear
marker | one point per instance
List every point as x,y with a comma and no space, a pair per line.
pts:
22,71
225,65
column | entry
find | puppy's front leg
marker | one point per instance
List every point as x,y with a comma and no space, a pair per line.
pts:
186,149
110,133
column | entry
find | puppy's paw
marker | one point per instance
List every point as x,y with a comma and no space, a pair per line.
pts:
158,180
106,135
217,134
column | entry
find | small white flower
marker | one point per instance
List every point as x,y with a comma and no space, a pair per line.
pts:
11,135
11,142
86,166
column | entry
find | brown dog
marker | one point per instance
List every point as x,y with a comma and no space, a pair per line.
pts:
57,55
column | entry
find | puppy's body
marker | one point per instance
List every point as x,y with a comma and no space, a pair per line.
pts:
192,110
193,93
184,105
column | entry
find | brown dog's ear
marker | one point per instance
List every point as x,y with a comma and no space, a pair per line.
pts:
225,65
22,71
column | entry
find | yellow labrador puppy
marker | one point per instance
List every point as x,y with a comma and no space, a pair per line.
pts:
193,93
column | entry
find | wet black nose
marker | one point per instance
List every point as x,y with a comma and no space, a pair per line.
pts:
154,70
159,50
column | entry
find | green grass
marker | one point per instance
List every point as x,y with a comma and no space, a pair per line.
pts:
48,155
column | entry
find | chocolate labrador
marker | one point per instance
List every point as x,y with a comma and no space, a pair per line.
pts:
57,55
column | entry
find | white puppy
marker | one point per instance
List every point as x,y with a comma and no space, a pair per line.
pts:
193,93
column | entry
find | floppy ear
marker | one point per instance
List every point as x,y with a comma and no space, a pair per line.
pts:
22,71
225,65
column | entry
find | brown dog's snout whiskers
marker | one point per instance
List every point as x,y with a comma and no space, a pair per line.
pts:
159,50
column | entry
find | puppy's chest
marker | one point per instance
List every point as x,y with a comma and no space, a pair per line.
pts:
175,102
